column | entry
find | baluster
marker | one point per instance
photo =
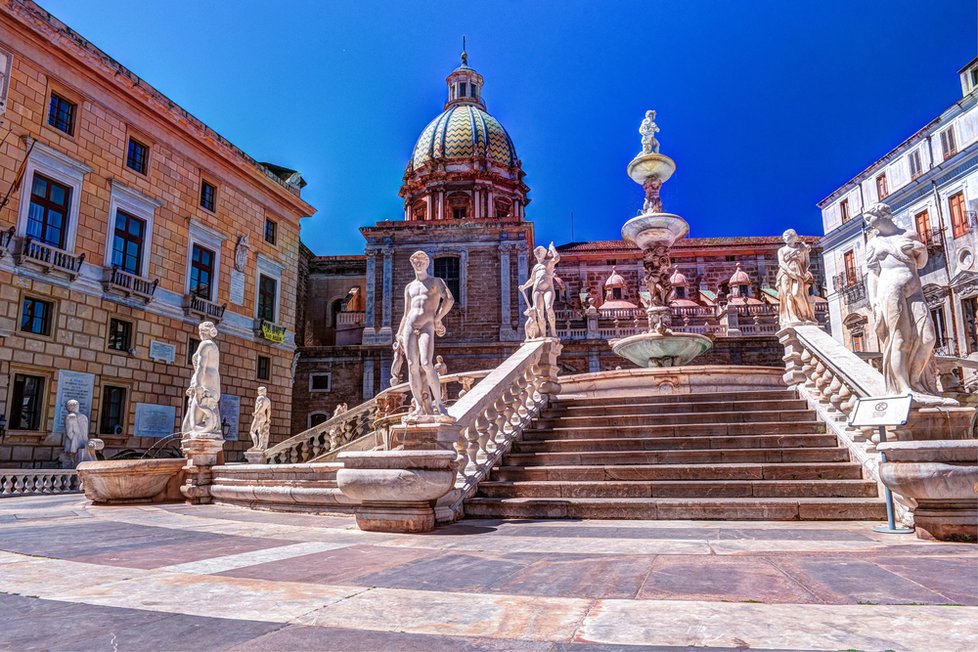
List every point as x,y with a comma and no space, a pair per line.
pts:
499,440
45,482
806,366
827,384
835,395
471,451
483,428
5,485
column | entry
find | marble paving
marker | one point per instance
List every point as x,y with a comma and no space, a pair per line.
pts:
175,577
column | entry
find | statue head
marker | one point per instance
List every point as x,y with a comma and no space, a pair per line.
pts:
262,391
879,213
71,406
439,359
207,330
419,261
650,114
540,252
790,236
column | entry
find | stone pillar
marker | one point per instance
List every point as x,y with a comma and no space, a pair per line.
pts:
477,203
202,455
368,378
388,289
522,271
506,331
368,315
593,362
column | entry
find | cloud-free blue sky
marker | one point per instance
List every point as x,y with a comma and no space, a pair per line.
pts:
766,105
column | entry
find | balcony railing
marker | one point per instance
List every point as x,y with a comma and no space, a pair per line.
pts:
129,285
269,331
932,237
48,258
349,319
195,306
854,292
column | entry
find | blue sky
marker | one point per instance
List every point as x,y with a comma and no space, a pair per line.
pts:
766,106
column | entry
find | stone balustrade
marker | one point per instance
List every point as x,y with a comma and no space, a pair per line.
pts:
23,482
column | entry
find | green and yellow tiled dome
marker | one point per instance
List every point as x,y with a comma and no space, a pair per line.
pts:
464,131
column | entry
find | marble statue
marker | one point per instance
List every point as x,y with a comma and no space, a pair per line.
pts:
653,198
442,370
793,281
335,439
543,292
241,253
656,263
261,421
903,323
76,435
648,129
427,300
203,417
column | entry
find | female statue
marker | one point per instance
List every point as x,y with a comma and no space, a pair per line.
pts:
76,434
541,309
203,417
793,281
903,323
261,420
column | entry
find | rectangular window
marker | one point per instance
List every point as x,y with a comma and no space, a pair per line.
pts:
969,308
844,210
127,243
849,260
61,114
948,147
271,229
264,368
192,345
459,213
47,217
137,157
27,402
113,410
208,196
940,326
120,335
916,169
881,190
36,316
959,217
267,289
201,272
922,222
447,269
858,342
320,382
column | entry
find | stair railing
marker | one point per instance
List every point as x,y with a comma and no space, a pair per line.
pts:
495,414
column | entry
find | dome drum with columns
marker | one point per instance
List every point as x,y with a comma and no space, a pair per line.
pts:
464,165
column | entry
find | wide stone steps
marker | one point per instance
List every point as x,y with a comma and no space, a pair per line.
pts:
744,455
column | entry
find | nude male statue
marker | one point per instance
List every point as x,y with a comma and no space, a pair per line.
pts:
427,300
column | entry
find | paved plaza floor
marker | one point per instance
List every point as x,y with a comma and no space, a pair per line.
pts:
176,577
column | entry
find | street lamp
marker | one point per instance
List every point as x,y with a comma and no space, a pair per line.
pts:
225,427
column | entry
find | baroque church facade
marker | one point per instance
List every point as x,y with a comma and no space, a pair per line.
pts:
465,205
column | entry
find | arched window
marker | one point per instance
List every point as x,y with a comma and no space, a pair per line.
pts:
457,206
419,210
447,269
317,418
503,207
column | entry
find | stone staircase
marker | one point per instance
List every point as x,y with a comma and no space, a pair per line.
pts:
747,455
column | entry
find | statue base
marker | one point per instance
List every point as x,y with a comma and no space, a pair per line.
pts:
202,453
428,433
255,456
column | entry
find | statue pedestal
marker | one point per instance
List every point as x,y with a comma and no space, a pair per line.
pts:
397,489
255,456
202,454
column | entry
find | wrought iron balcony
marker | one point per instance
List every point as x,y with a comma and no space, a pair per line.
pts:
269,331
122,282
195,306
854,292
47,258
932,237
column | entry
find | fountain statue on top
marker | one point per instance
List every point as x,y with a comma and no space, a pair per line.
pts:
655,232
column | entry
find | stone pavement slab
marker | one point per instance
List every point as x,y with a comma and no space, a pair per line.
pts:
177,577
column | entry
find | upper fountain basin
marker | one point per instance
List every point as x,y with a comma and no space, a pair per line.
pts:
646,166
653,229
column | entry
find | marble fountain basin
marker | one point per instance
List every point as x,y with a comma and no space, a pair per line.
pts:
655,350
132,481
654,229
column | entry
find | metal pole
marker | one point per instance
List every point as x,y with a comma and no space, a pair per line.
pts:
891,527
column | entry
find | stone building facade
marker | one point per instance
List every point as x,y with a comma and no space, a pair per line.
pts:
930,182
122,221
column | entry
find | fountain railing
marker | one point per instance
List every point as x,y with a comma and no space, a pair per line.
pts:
495,414
24,482
368,424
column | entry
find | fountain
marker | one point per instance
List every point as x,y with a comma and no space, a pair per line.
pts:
655,232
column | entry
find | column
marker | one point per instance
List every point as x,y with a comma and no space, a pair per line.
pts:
368,317
522,272
477,203
368,378
506,332
388,290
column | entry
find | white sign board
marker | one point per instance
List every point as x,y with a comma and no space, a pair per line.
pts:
162,351
881,411
237,287
73,385
231,411
155,420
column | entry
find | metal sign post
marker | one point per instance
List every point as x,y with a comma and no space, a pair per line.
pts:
883,411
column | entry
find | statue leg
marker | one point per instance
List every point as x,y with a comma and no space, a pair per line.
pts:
414,372
548,302
426,351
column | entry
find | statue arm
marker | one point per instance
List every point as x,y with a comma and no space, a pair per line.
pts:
447,301
554,256
404,314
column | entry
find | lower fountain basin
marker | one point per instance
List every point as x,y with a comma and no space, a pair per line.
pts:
132,481
655,350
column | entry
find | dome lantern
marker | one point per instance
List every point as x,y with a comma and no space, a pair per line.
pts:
464,84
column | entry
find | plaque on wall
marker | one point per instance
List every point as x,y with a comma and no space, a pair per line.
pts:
73,385
154,420
231,411
237,287
162,351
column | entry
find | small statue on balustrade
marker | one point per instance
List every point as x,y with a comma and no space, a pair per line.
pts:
543,292
903,322
793,282
76,436
203,417
442,370
261,421
427,300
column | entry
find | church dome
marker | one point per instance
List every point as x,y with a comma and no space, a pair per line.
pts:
464,131
739,277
